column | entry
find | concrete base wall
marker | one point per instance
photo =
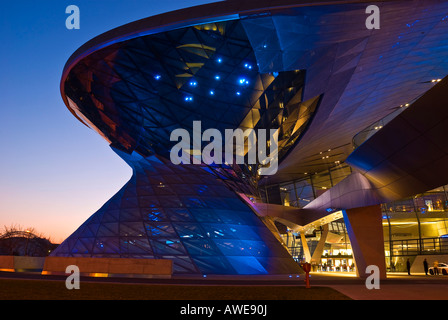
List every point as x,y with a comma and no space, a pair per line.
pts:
21,263
417,265
110,267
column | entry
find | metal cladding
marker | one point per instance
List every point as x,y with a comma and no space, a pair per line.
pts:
405,166
315,74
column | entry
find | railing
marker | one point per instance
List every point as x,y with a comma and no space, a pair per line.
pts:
412,247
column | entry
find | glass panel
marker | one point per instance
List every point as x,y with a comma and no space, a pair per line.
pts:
321,182
288,195
167,246
130,245
213,264
153,213
108,229
179,214
189,231
107,245
305,192
159,229
431,202
130,214
403,226
219,231
202,247
231,247
247,265
132,229
339,173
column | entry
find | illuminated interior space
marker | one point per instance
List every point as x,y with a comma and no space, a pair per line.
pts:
413,226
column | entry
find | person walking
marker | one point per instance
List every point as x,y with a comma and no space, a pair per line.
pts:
425,266
408,266
436,267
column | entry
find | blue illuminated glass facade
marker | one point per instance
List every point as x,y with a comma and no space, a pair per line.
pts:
182,213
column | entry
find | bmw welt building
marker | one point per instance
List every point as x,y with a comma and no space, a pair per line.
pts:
341,115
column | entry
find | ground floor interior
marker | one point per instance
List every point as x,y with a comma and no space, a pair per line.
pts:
411,227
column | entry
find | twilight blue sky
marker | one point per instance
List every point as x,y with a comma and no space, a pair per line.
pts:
54,171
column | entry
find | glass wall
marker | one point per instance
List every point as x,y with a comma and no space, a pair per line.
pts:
337,254
415,226
299,193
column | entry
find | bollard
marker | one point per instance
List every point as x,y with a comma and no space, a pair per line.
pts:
307,268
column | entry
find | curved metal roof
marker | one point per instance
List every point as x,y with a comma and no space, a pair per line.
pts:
218,11
357,75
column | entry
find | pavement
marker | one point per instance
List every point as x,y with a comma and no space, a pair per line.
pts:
397,286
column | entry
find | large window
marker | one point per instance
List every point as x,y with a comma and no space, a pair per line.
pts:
415,226
299,193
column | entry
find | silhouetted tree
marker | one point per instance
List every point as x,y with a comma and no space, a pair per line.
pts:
18,241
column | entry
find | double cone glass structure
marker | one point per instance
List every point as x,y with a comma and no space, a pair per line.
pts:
135,93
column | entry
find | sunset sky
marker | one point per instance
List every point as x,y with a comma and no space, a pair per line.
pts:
54,171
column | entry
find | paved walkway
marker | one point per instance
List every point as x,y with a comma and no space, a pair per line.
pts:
397,286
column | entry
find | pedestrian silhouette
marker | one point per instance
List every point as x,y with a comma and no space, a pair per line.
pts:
408,266
425,266
436,267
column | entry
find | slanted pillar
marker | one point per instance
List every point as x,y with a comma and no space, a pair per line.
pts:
365,231
317,254
305,247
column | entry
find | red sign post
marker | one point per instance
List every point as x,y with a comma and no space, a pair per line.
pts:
307,268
